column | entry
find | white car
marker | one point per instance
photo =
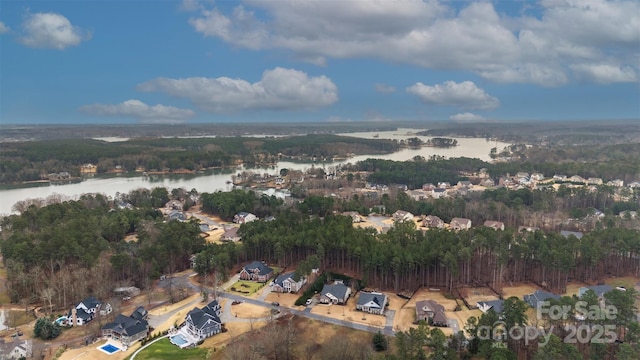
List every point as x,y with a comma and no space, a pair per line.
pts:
308,302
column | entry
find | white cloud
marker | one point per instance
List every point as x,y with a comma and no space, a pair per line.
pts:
465,95
384,88
51,31
605,74
476,38
4,28
466,117
141,111
279,89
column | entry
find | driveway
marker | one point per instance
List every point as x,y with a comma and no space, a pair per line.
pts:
453,324
157,320
389,314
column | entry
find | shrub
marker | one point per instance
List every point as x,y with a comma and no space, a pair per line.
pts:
380,342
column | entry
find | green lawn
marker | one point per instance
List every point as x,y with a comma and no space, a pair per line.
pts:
164,349
246,287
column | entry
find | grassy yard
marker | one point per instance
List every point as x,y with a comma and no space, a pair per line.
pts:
164,349
246,287
14,318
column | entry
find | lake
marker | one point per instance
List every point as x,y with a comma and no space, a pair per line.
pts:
211,181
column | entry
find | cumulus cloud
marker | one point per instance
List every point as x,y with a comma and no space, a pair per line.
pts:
4,28
382,88
604,73
278,89
515,49
464,95
466,117
51,31
140,111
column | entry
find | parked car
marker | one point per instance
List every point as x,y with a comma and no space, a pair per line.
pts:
309,301
275,303
126,298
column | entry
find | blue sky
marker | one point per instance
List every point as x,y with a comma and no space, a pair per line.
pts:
325,61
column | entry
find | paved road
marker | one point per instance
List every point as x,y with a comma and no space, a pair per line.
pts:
307,314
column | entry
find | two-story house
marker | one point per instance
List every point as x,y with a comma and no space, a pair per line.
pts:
256,271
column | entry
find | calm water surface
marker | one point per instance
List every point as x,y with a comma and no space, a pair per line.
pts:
217,180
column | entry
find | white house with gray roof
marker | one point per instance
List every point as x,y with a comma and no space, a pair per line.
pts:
286,283
372,302
338,293
205,322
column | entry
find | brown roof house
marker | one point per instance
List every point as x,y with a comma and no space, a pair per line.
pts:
402,215
460,224
495,225
431,312
432,221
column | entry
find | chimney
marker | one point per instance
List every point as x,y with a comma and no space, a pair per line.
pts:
73,316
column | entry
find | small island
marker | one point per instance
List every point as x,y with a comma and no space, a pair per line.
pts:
442,142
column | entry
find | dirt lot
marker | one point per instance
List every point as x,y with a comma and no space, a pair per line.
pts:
406,316
518,291
348,312
287,300
249,311
473,295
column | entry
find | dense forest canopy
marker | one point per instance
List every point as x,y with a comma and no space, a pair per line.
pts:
34,160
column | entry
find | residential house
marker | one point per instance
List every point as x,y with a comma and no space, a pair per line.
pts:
428,187
495,225
616,183
464,184
286,283
15,350
438,193
231,234
538,297
444,185
417,194
432,221
594,181
338,293
485,306
634,184
244,217
402,215
127,291
174,205
522,229
577,179
431,312
355,216
522,175
567,234
128,329
537,177
559,177
600,290
488,182
371,302
87,310
177,215
88,169
460,224
256,271
205,322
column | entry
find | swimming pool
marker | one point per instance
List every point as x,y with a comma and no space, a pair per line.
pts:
179,340
109,348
